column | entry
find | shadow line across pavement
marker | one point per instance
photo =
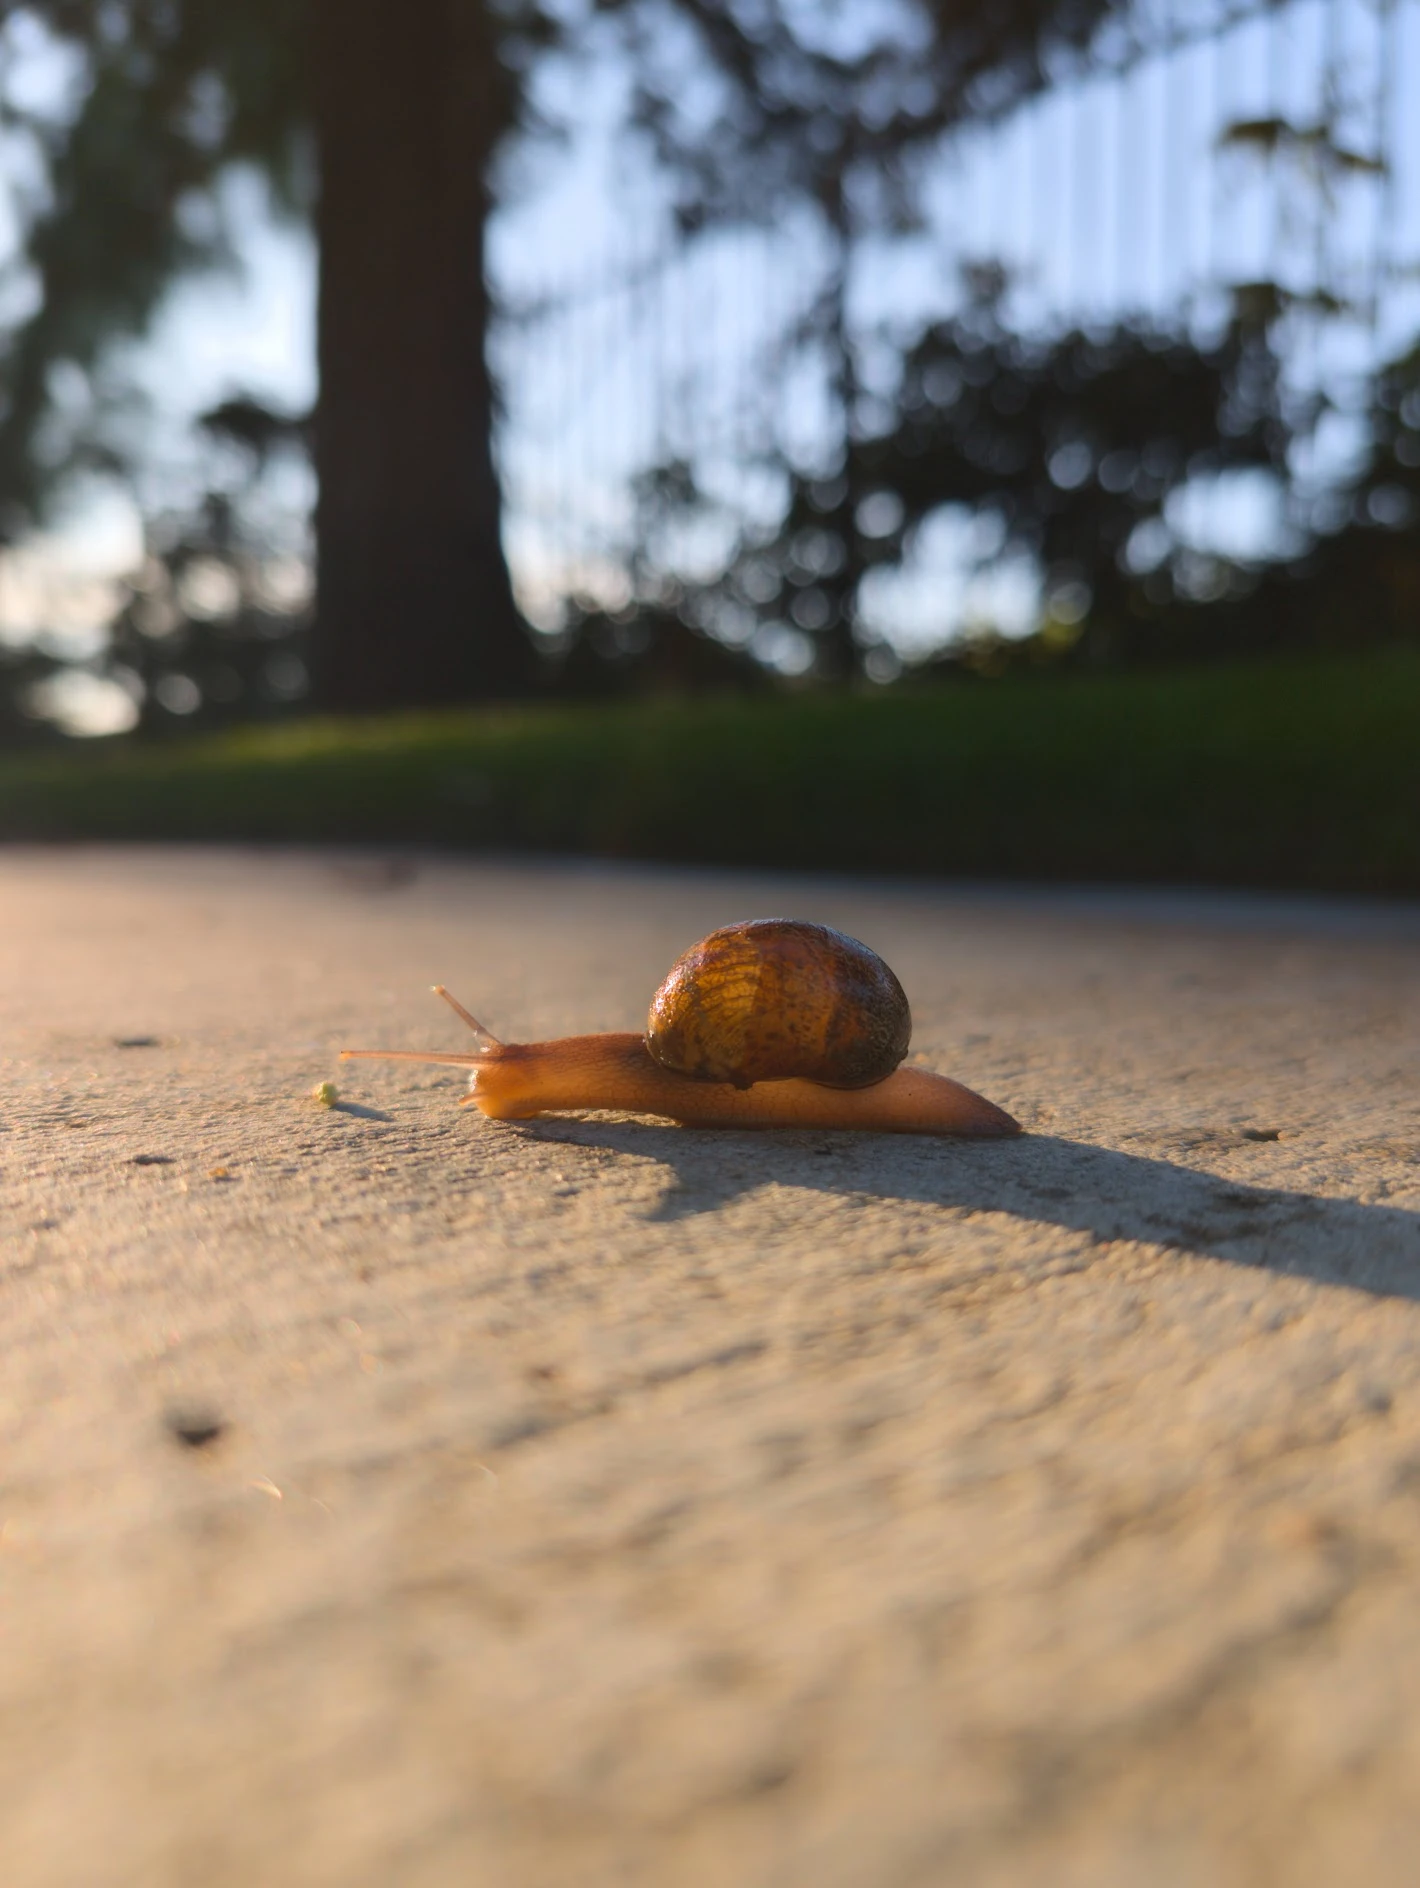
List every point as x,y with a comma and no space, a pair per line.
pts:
1098,1191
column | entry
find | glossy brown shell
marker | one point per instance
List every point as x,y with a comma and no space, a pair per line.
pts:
778,997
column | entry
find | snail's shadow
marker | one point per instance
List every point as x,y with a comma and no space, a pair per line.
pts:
358,1111
1041,1177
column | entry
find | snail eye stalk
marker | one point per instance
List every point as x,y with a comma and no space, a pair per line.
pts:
485,1037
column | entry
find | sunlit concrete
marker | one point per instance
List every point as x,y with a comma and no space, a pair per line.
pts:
393,1497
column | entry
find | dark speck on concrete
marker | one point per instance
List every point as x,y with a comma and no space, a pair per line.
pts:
193,1426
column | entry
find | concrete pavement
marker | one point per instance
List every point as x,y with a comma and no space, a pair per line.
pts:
388,1496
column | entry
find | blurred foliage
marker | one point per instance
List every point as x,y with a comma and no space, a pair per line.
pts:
213,629
643,650
1069,453
171,94
1065,451
24,673
806,103
840,109
175,92
1317,145
1072,444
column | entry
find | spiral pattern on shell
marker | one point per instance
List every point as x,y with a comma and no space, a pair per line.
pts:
776,998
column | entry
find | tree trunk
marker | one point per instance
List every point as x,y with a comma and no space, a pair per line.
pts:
414,606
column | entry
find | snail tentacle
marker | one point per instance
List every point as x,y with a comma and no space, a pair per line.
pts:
460,1058
484,1037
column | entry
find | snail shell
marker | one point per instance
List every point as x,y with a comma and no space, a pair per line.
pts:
778,998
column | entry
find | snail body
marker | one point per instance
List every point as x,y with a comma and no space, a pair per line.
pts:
773,1023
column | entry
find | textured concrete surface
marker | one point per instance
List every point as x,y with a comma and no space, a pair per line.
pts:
393,1497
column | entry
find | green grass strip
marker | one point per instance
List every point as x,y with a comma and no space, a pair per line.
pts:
1302,774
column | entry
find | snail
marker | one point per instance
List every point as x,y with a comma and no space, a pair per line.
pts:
772,1023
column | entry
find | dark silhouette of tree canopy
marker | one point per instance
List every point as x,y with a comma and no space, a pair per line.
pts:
381,118
837,107
1069,447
